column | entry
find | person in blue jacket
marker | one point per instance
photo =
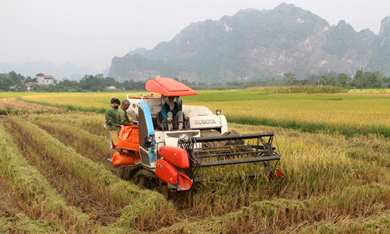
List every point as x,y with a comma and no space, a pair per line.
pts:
171,111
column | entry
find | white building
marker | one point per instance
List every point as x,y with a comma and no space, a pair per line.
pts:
45,80
112,87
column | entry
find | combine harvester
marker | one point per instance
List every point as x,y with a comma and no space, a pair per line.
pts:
176,156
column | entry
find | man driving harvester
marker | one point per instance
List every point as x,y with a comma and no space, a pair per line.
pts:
171,111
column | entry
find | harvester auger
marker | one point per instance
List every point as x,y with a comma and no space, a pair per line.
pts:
176,156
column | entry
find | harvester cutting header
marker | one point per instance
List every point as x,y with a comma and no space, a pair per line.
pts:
175,141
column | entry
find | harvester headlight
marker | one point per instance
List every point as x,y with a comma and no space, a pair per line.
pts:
150,138
184,138
218,112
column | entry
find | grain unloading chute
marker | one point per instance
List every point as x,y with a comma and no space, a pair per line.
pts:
177,156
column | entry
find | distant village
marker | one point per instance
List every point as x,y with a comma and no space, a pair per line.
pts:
44,80
41,80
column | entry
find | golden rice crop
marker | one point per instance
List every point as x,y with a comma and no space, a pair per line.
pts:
78,100
362,116
346,113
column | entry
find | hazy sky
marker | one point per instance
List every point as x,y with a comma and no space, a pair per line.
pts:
91,32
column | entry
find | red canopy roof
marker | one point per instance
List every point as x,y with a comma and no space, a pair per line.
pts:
169,87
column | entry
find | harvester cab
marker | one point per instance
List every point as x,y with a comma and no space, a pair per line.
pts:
176,156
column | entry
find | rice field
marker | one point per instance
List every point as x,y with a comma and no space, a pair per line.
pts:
345,113
55,177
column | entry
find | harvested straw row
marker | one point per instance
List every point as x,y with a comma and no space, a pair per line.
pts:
89,122
85,143
23,224
141,209
14,220
69,188
37,198
377,223
280,214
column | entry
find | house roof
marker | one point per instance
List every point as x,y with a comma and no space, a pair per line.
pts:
169,87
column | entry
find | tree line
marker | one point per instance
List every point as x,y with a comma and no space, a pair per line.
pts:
88,83
366,80
98,83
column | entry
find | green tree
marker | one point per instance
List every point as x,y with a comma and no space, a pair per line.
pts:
305,82
370,79
92,83
289,79
332,81
15,78
324,80
108,81
344,80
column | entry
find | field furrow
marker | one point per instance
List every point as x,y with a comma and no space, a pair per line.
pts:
68,187
143,210
35,195
14,220
90,122
94,147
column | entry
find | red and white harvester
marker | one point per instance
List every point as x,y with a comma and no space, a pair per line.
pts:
176,156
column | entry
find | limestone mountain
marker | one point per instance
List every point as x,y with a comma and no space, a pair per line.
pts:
255,44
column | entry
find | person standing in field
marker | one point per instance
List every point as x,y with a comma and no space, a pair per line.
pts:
111,120
112,99
121,116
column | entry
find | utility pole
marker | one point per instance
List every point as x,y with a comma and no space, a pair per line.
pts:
361,80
